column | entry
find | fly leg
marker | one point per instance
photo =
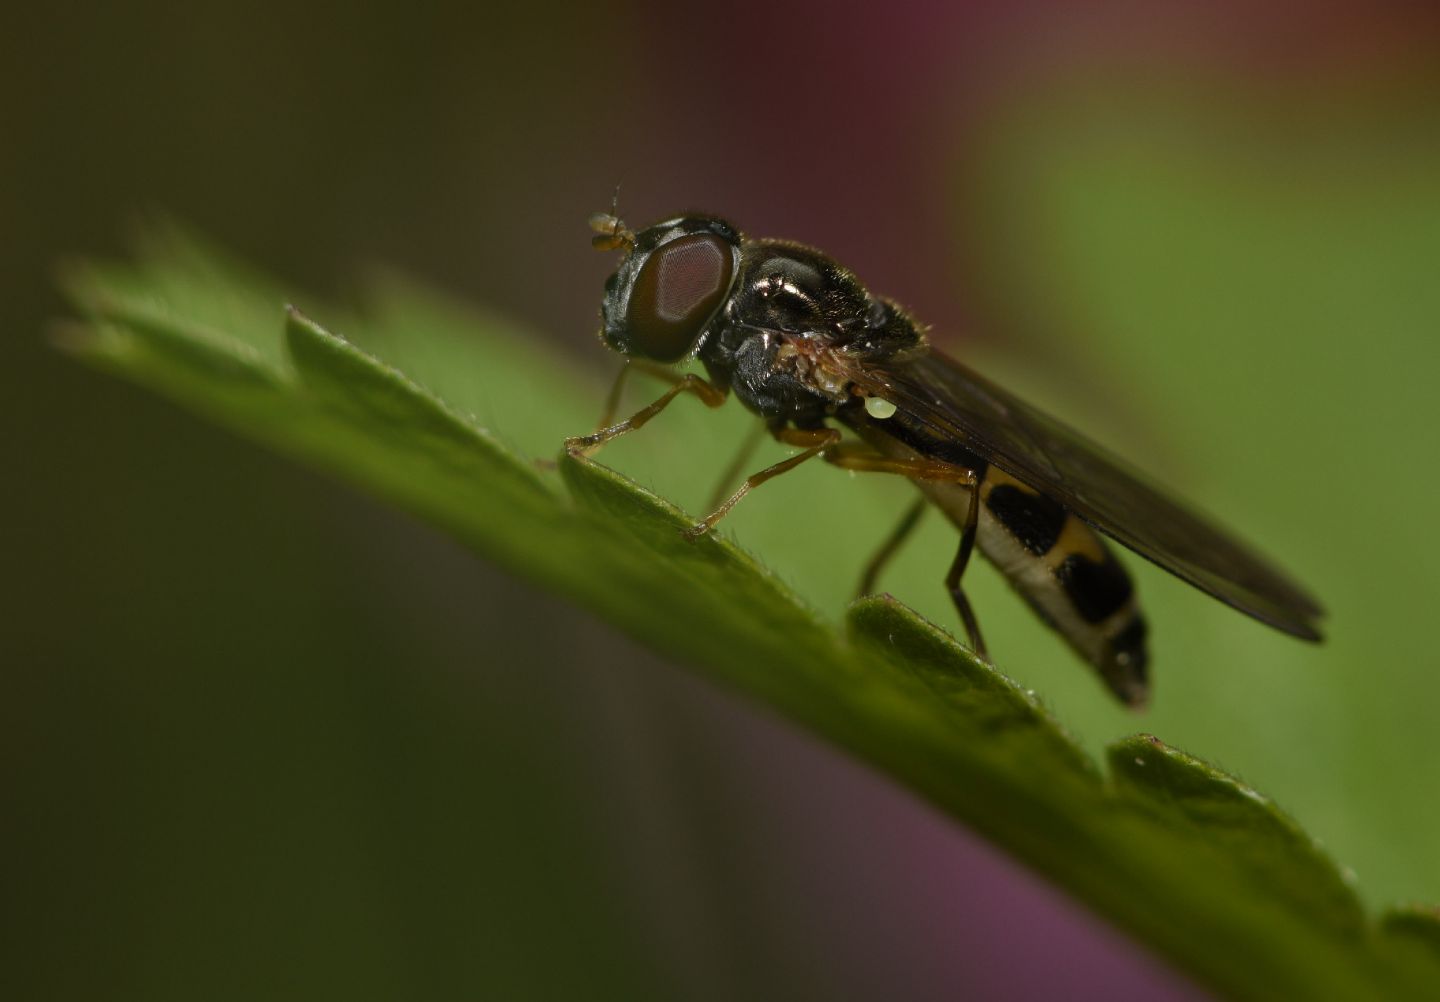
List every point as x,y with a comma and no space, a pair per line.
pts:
825,442
854,456
888,548
741,460
612,399
816,443
709,394
962,557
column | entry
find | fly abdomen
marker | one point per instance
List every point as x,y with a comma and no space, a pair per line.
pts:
1069,576
1057,563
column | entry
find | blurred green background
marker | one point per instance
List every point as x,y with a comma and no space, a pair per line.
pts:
263,737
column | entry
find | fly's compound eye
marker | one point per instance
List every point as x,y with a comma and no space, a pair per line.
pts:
676,293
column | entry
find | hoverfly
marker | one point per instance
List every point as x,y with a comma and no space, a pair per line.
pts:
802,343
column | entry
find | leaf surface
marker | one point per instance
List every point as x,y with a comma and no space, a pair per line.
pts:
412,402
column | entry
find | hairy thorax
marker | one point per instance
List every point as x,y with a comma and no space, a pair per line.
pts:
789,341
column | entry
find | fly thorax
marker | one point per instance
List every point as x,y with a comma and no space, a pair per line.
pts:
788,378
816,364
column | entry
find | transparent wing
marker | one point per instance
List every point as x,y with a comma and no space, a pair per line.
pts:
952,401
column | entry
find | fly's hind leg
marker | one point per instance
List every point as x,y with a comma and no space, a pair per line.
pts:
957,569
853,456
826,443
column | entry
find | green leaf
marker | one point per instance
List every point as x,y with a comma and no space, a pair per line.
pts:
1186,858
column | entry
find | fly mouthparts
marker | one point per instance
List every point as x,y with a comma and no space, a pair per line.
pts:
610,232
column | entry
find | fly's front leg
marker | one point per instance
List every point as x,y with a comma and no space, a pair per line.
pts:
612,399
709,394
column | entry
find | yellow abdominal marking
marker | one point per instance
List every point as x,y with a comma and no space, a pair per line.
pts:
1076,537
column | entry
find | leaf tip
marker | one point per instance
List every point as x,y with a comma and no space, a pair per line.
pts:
300,325
1414,923
975,691
1227,814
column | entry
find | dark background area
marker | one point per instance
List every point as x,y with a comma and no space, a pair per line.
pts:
262,737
